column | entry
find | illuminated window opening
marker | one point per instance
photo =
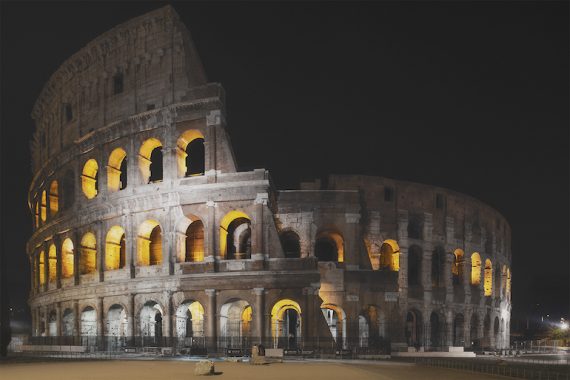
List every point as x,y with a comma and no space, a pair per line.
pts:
457,267
37,214
190,153
43,209
235,235
150,161
194,242
390,255
117,170
286,322
88,254
52,263
41,268
150,244
329,246
488,285
53,198
291,245
90,179
115,251
67,259
475,269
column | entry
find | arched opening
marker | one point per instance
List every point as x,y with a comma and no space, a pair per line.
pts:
88,322
53,198
190,153
496,335
88,254
150,243
67,259
117,321
488,285
235,235
457,268
43,208
190,322
67,322
52,323
390,255
363,331
415,227
235,323
115,248
474,331
286,323
41,268
291,244
414,265
68,190
487,331
90,179
458,331
376,325
437,265
150,161
336,321
194,242
329,246
436,328
502,336
52,263
117,170
413,328
475,269
151,323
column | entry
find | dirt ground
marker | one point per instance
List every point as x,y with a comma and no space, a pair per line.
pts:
175,370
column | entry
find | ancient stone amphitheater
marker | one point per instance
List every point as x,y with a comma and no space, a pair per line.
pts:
146,235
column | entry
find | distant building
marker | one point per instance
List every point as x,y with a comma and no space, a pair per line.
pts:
145,230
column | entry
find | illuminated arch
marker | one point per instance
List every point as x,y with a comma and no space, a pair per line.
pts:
188,141
329,246
235,319
146,165
457,267
37,214
117,170
41,267
43,209
53,198
149,243
90,179
336,321
190,319
488,285
115,248
88,254
52,263
475,269
67,259
228,226
390,255
282,321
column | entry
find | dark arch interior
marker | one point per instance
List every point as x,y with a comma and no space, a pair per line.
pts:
123,176
244,241
290,244
435,334
195,159
325,249
155,246
414,265
437,261
155,165
122,253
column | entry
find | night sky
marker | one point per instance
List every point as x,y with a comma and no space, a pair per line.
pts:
468,96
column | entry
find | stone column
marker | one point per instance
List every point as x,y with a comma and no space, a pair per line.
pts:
213,122
46,267
133,174
257,246
351,253
449,329
76,257
308,316
130,245
259,312
211,326
76,319
131,330
37,287
448,276
100,317
58,318
210,228
99,235
58,264
167,318
426,272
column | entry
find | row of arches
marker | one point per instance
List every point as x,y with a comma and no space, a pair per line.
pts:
190,155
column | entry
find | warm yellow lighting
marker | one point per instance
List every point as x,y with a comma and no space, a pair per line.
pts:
144,157
390,255
115,248
488,278
37,214
475,269
67,261
52,263
186,138
277,314
224,224
457,267
53,198
43,213
89,179
114,169
338,241
41,268
195,242
150,243
88,258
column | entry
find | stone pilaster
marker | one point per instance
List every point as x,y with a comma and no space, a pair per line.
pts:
211,315
259,313
351,253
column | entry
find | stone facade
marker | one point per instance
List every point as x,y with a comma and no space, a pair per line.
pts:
138,236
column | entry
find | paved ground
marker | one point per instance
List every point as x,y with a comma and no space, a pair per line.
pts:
174,370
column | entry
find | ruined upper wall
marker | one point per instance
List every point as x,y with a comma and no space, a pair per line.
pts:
145,63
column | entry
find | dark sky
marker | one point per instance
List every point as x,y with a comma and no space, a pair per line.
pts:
469,96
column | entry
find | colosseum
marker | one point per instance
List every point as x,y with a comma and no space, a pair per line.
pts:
146,234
